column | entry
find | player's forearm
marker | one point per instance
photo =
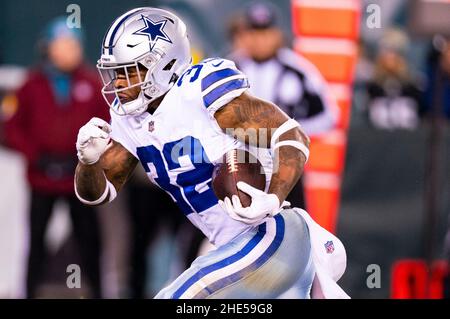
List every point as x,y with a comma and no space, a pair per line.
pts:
90,181
288,165
255,121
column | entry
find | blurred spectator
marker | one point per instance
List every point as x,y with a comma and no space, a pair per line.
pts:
437,103
11,78
394,94
58,97
364,69
278,74
437,93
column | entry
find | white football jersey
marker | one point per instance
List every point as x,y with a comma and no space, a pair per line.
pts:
180,143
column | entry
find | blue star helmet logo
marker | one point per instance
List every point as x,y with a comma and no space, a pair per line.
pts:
154,31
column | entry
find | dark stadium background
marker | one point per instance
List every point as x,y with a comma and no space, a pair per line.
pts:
383,216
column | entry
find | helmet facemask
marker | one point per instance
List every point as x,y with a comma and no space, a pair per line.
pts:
149,87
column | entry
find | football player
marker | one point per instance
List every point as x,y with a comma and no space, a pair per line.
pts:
178,120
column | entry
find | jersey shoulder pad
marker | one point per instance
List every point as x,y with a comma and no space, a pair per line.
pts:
214,82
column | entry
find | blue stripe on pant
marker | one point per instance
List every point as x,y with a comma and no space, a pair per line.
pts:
262,263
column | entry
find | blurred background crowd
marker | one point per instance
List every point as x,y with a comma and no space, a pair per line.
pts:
389,202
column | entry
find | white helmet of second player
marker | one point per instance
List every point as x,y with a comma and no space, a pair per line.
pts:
153,38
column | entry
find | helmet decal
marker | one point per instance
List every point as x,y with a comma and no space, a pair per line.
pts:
154,31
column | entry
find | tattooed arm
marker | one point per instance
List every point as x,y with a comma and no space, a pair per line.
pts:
246,114
116,163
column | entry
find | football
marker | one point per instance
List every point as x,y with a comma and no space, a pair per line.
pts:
237,165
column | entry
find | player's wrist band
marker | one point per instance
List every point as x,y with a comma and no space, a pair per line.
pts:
298,145
286,126
109,190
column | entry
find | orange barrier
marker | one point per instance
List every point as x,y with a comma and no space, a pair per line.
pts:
342,18
323,195
326,34
322,178
333,67
335,58
345,109
342,94
327,153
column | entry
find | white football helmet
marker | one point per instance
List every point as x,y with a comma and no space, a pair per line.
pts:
153,38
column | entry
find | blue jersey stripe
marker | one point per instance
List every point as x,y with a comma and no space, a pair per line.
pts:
225,262
270,251
223,89
217,76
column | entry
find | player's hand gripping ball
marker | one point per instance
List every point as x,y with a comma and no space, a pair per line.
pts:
239,183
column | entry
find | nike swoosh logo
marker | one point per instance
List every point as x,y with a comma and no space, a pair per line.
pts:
218,64
133,45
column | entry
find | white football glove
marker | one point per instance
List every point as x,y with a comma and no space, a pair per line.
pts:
92,140
263,205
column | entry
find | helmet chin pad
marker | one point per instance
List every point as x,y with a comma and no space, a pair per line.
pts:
135,107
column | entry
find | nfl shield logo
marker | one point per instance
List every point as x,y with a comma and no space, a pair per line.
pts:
151,126
329,246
